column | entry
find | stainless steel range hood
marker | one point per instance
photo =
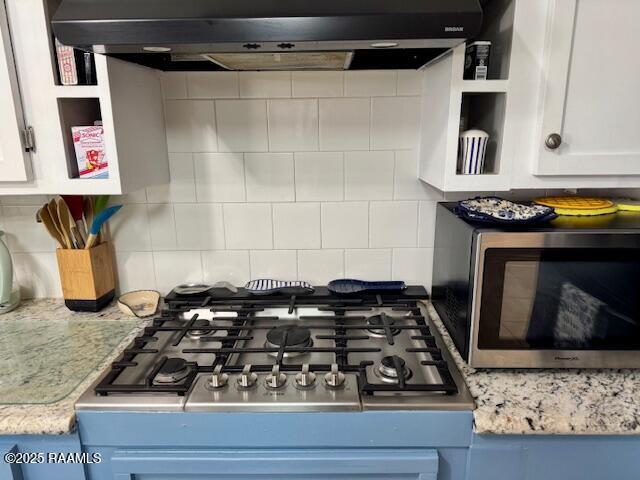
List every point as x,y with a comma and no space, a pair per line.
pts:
268,34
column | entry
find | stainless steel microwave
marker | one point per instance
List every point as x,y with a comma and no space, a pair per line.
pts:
565,294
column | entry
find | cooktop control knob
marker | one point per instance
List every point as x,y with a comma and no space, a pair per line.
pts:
275,379
335,378
305,378
247,378
218,379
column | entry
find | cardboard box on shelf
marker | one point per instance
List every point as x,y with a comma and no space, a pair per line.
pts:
90,151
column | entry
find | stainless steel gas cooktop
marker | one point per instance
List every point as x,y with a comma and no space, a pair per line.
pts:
222,350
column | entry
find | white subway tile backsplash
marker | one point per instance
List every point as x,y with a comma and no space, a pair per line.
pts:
191,126
175,268
308,175
344,123
265,84
162,226
319,267
345,225
296,225
199,226
368,175
274,264
395,122
406,184
269,177
130,229
181,187
219,177
393,224
368,264
370,83
248,226
174,85
242,125
426,223
319,176
212,85
318,84
37,274
22,233
410,82
413,266
226,265
135,271
293,125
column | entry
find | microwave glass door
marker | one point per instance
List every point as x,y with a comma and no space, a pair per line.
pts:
560,298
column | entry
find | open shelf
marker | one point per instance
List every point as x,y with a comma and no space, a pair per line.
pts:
484,111
75,112
498,29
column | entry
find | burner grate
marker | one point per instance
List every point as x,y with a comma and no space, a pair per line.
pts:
342,328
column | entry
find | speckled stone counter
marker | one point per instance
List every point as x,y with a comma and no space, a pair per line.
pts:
41,380
589,402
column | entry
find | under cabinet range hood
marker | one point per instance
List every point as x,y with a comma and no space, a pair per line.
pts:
268,34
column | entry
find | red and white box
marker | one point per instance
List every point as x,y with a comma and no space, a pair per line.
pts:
90,151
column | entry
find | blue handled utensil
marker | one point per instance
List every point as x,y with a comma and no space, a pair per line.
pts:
97,223
348,286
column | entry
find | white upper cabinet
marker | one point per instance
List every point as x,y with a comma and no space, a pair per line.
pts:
127,99
589,121
14,157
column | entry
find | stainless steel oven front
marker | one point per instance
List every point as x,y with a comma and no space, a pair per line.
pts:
556,298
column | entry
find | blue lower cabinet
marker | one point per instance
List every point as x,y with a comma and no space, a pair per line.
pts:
554,457
390,464
41,457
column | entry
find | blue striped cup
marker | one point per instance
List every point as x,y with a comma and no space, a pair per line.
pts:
473,150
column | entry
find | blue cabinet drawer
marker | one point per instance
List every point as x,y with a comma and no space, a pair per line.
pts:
40,457
347,464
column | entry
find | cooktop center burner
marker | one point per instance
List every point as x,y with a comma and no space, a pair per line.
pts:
292,336
173,370
200,325
388,368
378,323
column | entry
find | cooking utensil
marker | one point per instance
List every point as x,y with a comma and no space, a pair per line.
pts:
98,222
347,286
100,203
52,208
140,303
47,221
64,216
266,286
227,285
77,236
191,288
76,207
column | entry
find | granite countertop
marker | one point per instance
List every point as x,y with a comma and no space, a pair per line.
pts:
49,357
553,401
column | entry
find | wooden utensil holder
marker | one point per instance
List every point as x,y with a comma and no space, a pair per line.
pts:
87,277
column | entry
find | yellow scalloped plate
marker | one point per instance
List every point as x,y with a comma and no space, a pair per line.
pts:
585,213
571,203
628,205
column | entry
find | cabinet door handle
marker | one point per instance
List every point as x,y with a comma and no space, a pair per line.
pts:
553,141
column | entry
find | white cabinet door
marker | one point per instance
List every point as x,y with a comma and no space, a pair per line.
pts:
590,121
14,160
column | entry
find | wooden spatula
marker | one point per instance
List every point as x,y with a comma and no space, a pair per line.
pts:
52,208
45,218
65,221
